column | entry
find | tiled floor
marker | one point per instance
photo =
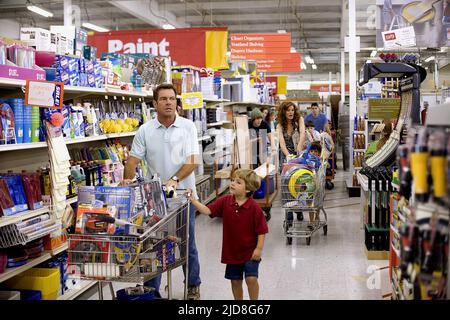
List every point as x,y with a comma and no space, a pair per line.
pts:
332,267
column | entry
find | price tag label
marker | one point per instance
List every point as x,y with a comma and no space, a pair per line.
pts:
45,94
192,100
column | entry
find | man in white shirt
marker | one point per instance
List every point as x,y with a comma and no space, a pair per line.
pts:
169,147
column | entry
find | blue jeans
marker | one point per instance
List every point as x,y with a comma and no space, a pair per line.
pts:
194,265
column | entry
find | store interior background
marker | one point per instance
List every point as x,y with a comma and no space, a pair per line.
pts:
319,30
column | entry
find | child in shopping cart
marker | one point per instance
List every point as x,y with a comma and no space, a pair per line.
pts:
244,229
312,158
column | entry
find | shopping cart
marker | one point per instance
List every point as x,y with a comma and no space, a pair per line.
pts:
303,190
162,247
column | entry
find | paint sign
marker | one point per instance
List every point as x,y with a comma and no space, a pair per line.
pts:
403,37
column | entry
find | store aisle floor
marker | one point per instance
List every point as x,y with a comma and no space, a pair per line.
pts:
333,267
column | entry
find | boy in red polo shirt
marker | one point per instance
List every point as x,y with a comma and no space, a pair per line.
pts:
244,229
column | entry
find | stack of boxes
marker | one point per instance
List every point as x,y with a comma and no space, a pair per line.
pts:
75,71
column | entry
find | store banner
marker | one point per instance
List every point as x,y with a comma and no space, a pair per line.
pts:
216,49
186,46
430,20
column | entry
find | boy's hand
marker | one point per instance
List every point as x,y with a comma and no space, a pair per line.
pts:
189,194
256,254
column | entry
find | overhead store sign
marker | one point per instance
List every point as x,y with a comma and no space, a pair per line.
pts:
404,37
325,87
271,51
186,46
380,109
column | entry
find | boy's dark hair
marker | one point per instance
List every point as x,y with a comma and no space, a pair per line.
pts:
315,146
309,124
314,104
163,86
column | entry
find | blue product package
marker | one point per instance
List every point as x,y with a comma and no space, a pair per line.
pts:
89,67
50,74
27,124
30,295
83,80
74,80
97,68
98,81
81,65
7,124
66,124
17,192
121,197
91,80
63,77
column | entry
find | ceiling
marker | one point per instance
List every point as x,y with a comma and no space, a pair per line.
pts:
318,27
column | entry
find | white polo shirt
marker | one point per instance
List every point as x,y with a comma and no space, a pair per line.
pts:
165,150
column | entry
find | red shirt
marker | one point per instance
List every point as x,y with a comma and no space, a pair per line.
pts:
241,227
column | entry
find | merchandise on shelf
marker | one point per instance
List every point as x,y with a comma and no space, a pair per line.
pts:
186,79
421,268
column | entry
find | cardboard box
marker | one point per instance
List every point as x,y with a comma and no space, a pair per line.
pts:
36,37
90,53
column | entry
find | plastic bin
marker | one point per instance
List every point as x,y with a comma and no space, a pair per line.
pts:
30,295
136,294
9,295
261,192
45,280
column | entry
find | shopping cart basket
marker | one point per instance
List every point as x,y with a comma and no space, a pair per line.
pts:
303,190
162,247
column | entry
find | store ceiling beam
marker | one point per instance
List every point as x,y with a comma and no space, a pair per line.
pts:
315,16
274,27
177,6
150,12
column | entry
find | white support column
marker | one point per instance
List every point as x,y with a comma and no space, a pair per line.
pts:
352,71
436,74
68,13
342,77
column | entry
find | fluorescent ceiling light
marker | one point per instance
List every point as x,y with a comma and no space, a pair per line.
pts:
40,11
373,53
303,66
314,67
168,26
430,59
281,31
94,27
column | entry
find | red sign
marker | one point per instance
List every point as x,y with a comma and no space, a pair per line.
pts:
271,51
287,63
325,87
185,46
390,36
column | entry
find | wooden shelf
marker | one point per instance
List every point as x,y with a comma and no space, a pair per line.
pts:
12,272
7,220
201,178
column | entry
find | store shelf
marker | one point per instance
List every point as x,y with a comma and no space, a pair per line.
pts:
217,124
81,288
201,178
12,272
359,132
4,221
359,150
86,139
213,100
204,138
210,199
60,249
22,146
71,200
120,135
